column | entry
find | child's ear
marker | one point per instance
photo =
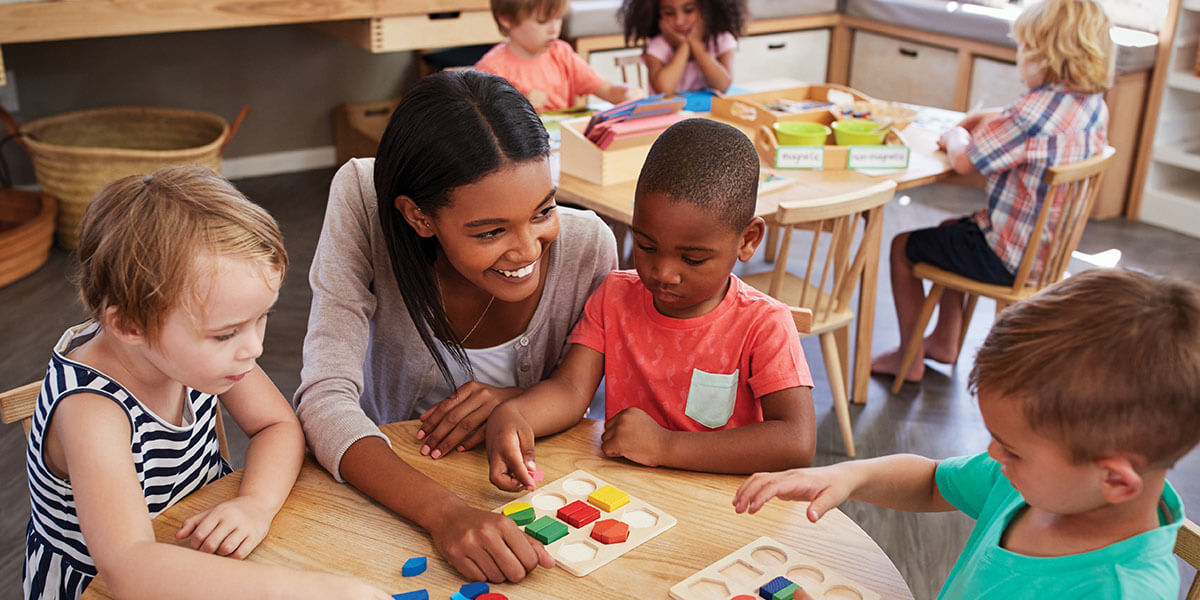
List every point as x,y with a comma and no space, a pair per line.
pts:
416,217
752,236
1122,481
506,24
119,327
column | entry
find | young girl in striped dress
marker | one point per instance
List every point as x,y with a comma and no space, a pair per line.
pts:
179,272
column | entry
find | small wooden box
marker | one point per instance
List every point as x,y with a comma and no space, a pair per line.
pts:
750,110
893,154
418,32
358,127
621,162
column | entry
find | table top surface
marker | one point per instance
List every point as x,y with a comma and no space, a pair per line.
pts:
926,165
332,527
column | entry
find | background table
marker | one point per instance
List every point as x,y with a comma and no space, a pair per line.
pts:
332,527
926,165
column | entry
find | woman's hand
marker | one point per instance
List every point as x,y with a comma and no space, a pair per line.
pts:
487,545
824,487
232,528
635,435
458,422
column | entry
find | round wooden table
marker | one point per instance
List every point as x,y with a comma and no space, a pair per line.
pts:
327,526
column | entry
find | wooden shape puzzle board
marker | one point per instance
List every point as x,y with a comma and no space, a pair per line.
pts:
577,552
760,561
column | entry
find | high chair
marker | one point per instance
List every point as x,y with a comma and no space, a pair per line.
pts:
1187,546
1073,189
846,232
19,403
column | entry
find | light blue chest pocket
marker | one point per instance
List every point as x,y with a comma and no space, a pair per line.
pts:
711,398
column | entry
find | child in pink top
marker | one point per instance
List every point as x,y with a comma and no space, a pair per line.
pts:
541,66
690,42
693,359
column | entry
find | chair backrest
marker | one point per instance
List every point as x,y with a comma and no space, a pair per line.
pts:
1187,546
854,224
1073,190
19,403
633,61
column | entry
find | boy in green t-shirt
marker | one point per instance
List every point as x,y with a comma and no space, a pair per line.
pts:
1091,391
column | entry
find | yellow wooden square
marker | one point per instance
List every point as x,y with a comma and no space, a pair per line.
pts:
608,498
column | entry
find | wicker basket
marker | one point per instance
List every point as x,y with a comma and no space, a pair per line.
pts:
26,233
78,153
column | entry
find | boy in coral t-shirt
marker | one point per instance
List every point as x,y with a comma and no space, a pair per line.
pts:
544,68
701,371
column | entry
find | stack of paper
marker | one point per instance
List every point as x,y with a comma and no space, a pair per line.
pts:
634,122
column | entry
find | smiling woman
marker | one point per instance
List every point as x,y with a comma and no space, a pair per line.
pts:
446,280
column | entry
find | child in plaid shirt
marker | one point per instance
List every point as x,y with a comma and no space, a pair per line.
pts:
1065,57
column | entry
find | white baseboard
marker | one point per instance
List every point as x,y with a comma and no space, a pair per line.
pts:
275,163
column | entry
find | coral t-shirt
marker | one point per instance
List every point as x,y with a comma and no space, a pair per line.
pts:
558,72
698,374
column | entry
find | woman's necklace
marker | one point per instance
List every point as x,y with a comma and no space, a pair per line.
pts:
437,280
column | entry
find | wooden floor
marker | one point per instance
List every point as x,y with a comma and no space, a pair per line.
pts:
938,418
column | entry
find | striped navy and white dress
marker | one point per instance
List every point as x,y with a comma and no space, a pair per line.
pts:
171,462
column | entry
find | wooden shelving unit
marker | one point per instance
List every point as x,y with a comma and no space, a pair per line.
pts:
1171,194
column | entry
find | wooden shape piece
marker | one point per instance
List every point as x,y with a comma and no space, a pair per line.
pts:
520,512
474,589
610,531
414,566
578,513
608,498
492,596
546,529
768,589
414,595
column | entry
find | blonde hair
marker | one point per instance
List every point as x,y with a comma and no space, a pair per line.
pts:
1070,41
1106,361
141,237
517,11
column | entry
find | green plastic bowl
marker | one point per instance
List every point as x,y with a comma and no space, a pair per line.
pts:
857,132
801,133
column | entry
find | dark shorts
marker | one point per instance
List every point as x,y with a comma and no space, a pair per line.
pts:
961,248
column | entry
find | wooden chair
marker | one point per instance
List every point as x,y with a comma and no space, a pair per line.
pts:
1073,189
1187,546
846,232
623,64
19,403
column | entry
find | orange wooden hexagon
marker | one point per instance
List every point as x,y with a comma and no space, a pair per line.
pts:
610,531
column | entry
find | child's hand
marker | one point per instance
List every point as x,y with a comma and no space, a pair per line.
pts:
823,487
635,435
633,92
695,35
955,137
673,37
487,545
538,99
458,422
337,586
510,450
232,528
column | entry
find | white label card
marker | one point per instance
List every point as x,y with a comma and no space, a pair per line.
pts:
877,157
800,157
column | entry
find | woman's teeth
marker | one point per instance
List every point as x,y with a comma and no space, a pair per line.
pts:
523,271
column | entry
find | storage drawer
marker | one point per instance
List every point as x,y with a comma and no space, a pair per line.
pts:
901,71
797,55
418,32
994,83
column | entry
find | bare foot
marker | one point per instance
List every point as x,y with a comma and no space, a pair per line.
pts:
888,363
939,351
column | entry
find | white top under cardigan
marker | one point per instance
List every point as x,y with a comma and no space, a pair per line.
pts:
364,363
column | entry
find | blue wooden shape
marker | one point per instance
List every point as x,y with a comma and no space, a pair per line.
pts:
417,595
474,589
414,566
458,596
767,591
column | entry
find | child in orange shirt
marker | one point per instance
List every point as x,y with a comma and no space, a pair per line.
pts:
693,359
544,68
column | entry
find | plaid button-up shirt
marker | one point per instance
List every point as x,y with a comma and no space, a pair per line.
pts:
1046,126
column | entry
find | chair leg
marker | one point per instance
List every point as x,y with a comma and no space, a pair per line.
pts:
842,336
918,332
837,385
1000,306
968,312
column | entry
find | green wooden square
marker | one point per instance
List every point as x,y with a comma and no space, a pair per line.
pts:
546,529
785,593
523,517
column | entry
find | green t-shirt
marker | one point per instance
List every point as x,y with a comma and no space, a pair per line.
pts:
1141,567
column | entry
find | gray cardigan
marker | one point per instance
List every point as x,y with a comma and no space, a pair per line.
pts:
364,363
